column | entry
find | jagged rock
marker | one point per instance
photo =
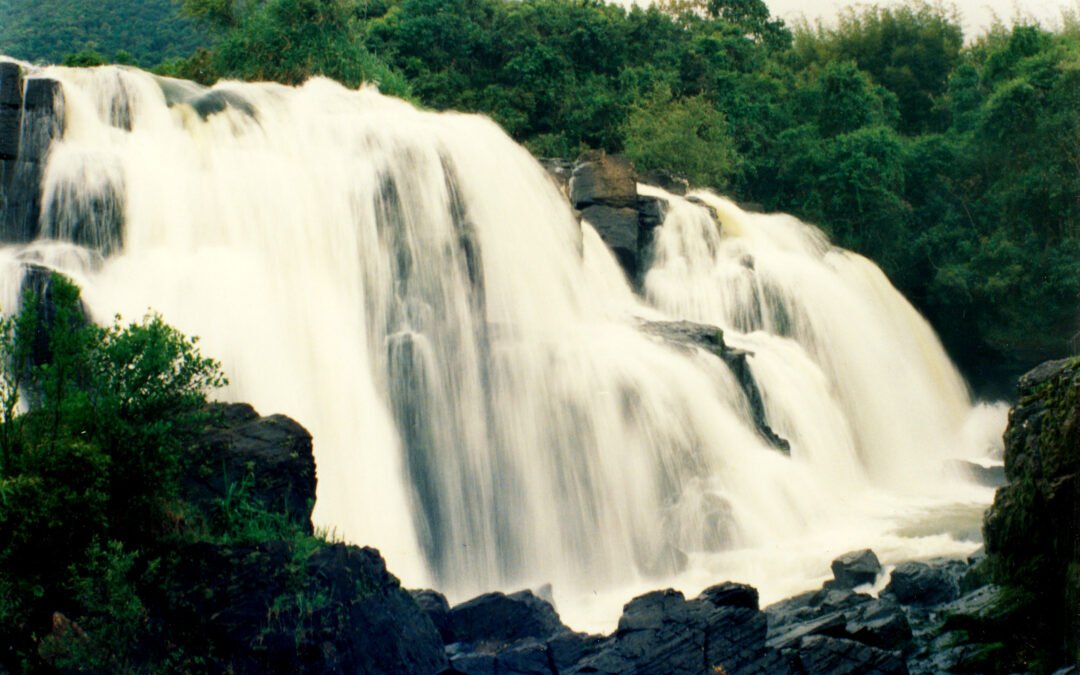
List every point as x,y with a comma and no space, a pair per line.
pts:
921,583
662,632
271,456
711,339
568,648
38,281
730,594
345,614
837,656
878,623
503,618
618,227
600,178
434,605
855,568
11,85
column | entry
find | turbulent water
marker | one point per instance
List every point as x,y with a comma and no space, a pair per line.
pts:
486,408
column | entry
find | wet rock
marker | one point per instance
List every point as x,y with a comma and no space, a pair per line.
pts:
925,584
711,339
879,623
600,178
270,456
434,605
837,656
855,568
662,632
11,86
618,227
504,618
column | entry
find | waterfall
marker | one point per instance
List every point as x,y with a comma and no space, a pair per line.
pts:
488,406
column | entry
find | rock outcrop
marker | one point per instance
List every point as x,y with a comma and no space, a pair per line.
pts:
711,339
1033,529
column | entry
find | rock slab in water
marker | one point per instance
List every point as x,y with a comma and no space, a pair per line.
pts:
600,178
856,568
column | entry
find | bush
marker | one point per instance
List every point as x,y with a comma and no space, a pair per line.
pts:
93,425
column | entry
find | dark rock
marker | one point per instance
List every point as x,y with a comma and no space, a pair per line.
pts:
676,185
374,624
831,623
11,84
271,456
662,632
504,618
473,663
527,657
618,227
434,605
855,568
879,623
730,594
837,656
11,88
41,123
925,584
218,100
10,122
711,339
568,648
603,179
1043,373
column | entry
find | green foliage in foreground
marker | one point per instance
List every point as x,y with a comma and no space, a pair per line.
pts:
95,426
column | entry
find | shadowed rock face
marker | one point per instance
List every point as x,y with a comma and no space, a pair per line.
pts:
1032,529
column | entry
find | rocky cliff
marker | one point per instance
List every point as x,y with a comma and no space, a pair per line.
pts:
1033,529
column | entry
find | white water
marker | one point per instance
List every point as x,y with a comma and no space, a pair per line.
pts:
413,289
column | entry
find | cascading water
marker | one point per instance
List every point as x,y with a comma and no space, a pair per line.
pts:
487,408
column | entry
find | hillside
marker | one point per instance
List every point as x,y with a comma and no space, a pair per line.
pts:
47,30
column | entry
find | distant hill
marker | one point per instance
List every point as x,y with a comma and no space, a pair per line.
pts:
47,30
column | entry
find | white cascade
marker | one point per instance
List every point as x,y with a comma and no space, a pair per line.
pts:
486,409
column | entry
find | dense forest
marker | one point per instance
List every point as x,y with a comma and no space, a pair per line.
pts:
122,31
951,162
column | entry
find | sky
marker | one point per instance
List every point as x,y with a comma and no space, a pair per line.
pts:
977,15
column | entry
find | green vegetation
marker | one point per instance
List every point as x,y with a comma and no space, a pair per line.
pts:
123,31
95,429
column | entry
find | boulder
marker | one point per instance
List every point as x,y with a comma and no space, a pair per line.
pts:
925,584
855,569
434,605
503,618
662,632
270,457
600,178
879,623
